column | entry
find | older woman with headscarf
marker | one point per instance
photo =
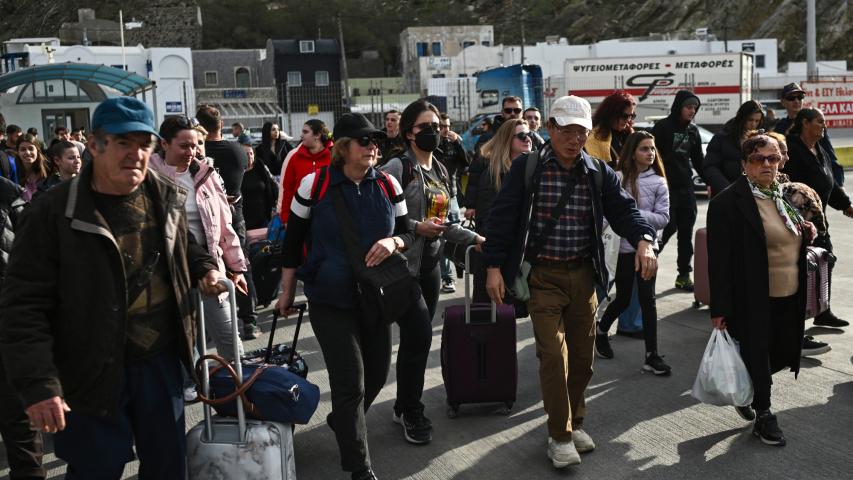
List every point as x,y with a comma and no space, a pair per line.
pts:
756,256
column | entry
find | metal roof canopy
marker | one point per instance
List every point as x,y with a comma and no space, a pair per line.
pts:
127,83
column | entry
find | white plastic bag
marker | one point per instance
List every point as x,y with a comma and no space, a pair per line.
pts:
722,378
612,242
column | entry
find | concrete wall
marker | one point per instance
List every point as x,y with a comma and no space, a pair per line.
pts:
226,62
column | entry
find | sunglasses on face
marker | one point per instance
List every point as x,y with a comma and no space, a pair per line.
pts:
523,136
510,111
759,159
427,126
795,98
628,116
367,141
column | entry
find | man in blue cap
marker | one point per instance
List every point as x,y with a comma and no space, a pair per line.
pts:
95,313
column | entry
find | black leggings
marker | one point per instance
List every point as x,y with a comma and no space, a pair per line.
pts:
415,342
625,275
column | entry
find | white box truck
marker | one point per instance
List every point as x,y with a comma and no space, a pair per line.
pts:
722,82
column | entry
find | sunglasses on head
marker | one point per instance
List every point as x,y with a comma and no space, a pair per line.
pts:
427,126
523,136
512,110
796,97
187,122
759,159
628,116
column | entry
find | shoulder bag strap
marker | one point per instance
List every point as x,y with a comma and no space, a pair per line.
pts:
552,220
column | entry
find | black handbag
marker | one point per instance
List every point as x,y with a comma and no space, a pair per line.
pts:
385,291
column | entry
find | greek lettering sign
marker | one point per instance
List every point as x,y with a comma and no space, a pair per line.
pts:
835,99
721,81
439,63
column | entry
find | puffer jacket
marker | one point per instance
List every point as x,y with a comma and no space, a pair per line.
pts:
10,205
297,166
653,203
220,238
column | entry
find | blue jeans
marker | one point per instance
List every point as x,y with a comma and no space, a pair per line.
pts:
150,414
447,272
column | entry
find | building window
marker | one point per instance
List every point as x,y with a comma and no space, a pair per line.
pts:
294,79
321,78
436,49
468,43
241,78
486,43
759,61
422,48
211,79
306,46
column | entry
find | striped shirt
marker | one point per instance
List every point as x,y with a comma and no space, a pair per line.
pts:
572,236
301,204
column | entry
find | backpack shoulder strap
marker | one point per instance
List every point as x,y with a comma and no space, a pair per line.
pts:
320,185
408,169
599,175
530,169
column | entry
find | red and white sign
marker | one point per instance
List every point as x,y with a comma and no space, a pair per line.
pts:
834,98
721,81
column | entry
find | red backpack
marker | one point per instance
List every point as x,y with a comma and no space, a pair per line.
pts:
321,184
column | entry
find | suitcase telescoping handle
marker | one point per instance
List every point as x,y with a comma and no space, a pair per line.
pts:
301,307
467,278
238,365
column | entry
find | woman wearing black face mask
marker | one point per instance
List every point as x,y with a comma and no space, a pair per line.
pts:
426,188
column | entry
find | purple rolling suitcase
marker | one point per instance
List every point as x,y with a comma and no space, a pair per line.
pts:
478,352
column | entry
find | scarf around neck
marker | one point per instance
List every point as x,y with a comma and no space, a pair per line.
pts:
790,217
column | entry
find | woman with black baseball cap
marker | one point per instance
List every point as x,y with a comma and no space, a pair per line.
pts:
356,344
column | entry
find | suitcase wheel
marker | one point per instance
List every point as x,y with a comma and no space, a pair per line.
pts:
452,411
697,304
507,408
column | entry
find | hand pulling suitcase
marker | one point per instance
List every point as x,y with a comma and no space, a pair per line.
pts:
237,448
478,352
817,295
701,281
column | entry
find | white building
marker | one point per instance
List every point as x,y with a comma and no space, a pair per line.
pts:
51,103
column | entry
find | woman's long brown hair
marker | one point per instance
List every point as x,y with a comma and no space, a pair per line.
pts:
628,164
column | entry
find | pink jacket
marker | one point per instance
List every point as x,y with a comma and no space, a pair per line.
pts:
221,239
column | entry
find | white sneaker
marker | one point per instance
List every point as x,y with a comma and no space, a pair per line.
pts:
562,454
190,394
583,442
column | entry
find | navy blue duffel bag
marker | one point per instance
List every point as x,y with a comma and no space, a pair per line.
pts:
269,392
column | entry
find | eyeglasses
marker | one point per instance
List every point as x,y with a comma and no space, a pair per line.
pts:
367,141
510,111
759,159
427,125
570,130
187,122
628,116
523,136
795,98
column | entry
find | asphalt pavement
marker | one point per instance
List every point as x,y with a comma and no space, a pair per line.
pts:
645,427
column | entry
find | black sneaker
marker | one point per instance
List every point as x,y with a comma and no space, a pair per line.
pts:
251,331
366,474
416,427
746,413
602,346
767,429
655,364
812,347
828,319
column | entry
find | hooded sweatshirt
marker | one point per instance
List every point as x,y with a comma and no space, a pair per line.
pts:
679,145
301,163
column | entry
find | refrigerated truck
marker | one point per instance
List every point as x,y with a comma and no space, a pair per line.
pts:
722,82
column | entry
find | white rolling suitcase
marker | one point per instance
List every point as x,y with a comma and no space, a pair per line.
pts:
224,448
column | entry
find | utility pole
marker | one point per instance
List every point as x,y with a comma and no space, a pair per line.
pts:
344,73
121,34
811,40
522,35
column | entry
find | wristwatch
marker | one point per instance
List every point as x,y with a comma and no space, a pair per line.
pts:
648,238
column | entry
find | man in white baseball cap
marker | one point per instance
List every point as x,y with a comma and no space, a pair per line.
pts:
547,249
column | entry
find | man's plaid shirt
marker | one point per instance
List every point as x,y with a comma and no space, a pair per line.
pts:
572,235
